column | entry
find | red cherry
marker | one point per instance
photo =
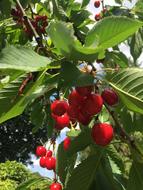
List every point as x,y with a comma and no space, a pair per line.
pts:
75,99
85,90
43,161
55,186
97,4
84,119
102,133
59,107
93,104
97,17
49,153
110,97
67,143
40,151
62,121
73,112
50,163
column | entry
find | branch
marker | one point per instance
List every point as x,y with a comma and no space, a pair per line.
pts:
27,20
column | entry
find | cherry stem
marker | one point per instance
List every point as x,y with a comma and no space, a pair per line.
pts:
102,2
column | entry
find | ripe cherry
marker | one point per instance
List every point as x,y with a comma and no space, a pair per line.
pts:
102,133
75,99
73,112
66,143
43,161
93,104
55,186
85,90
110,97
49,153
59,107
97,17
84,118
62,121
97,4
40,151
50,163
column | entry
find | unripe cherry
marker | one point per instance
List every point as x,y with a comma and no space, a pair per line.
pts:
56,186
102,133
93,104
59,107
84,90
42,161
50,163
97,4
66,143
110,97
41,151
62,121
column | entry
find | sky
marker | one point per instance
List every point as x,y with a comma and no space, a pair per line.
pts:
35,167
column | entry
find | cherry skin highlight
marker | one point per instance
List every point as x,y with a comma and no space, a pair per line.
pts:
41,151
102,133
55,186
59,107
50,163
110,97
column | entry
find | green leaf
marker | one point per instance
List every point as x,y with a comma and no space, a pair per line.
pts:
64,162
12,104
71,76
111,31
85,3
129,85
83,175
21,58
80,142
135,178
62,35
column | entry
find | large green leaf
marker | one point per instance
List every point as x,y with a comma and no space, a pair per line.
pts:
129,85
111,31
83,175
11,104
21,58
135,178
62,35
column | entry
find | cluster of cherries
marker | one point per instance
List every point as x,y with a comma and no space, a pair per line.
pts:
82,105
39,22
97,4
49,162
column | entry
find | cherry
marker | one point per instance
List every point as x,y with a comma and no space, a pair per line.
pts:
49,153
72,112
66,143
62,121
50,163
97,4
93,104
75,99
43,161
85,90
110,97
97,17
84,118
102,133
55,186
59,107
40,151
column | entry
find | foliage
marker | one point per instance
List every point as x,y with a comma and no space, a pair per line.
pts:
41,63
